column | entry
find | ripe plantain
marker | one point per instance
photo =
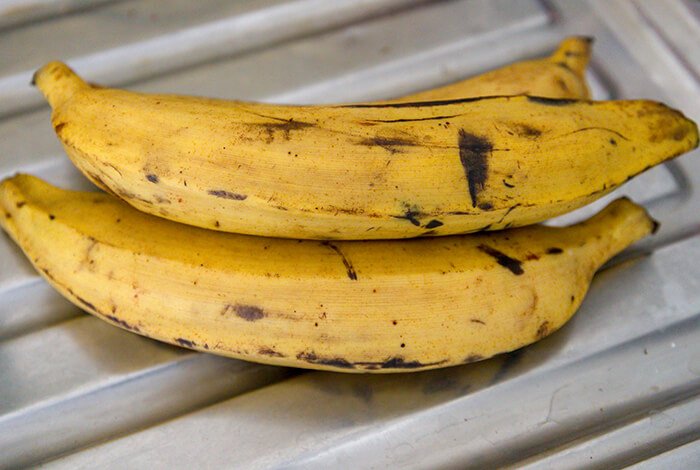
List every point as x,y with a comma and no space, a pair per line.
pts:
561,75
355,306
360,171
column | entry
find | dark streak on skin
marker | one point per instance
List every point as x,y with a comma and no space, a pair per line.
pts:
152,178
58,127
185,342
226,194
20,204
513,265
583,129
433,224
554,251
476,320
473,154
312,358
552,101
435,118
348,266
269,352
420,104
85,303
398,363
391,144
508,212
121,322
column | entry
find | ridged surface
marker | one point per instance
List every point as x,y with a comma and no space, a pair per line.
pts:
615,388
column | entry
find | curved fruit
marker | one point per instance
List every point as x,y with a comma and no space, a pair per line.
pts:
561,75
377,306
358,171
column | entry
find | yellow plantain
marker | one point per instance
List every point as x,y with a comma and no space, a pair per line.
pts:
355,306
360,171
561,75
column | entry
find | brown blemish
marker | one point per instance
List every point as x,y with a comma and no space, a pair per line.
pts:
246,312
528,131
52,217
59,127
476,320
554,251
152,178
20,204
543,330
226,194
485,206
473,155
285,127
269,352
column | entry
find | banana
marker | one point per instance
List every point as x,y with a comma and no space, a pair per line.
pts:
359,171
353,306
561,75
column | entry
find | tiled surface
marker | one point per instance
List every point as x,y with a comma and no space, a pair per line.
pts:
617,387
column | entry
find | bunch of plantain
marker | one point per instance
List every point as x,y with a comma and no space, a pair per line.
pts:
283,243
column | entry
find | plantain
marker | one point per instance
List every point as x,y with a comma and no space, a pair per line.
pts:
355,306
358,171
561,75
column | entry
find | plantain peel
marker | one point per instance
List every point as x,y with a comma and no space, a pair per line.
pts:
353,306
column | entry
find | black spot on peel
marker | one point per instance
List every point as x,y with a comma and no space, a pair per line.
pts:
411,213
552,101
507,185
346,262
554,251
613,142
512,264
433,224
52,217
473,155
152,178
485,206
185,342
20,204
226,194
